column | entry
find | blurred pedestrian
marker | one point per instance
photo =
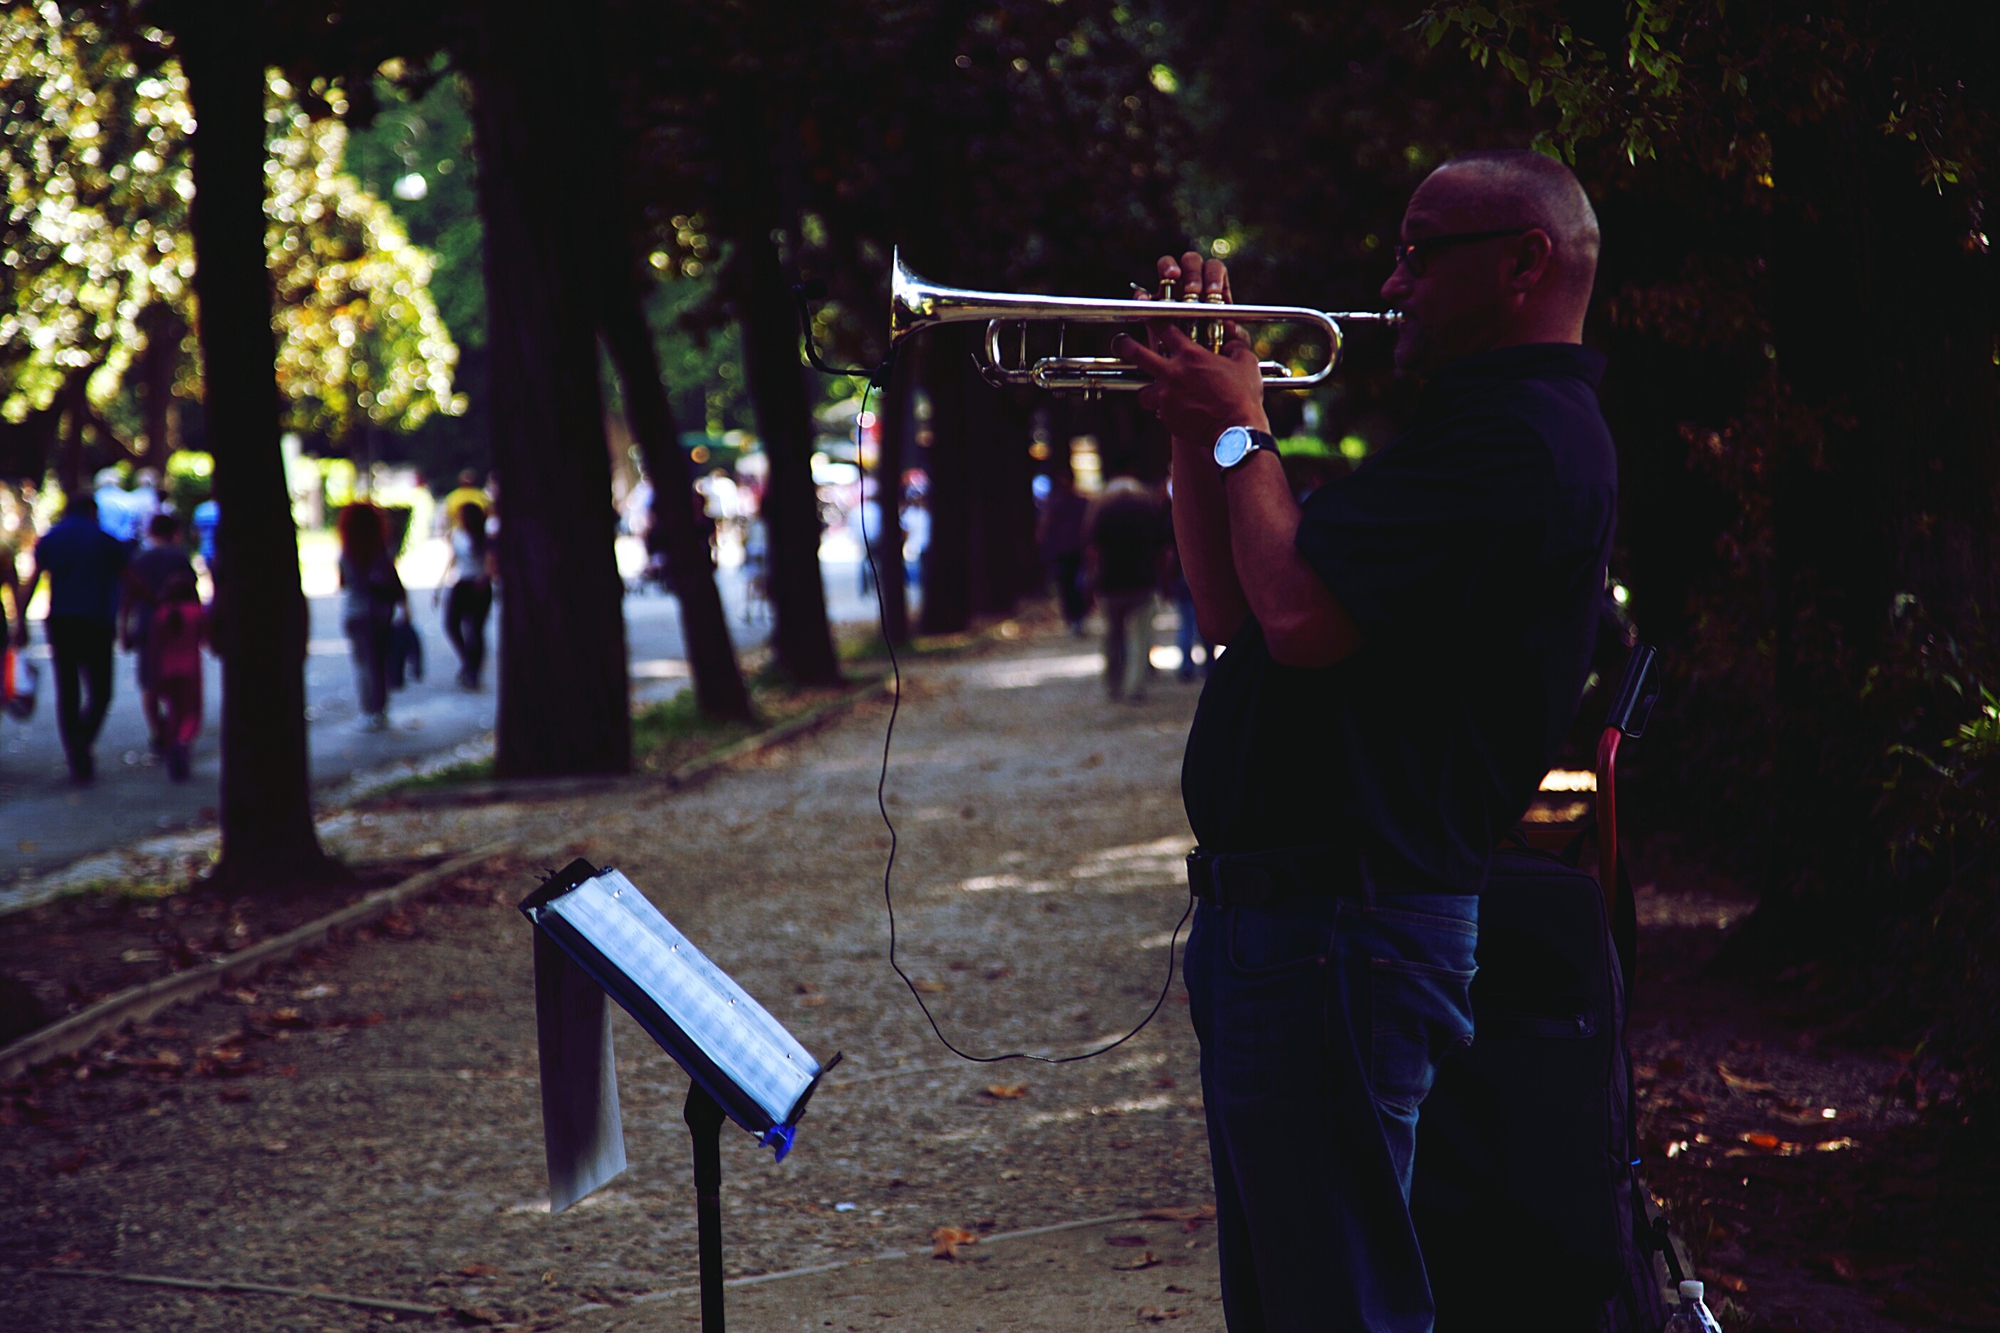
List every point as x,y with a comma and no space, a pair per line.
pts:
1124,532
207,516
163,562
1173,582
468,492
916,537
84,564
1059,541
373,595
470,596
118,510
179,628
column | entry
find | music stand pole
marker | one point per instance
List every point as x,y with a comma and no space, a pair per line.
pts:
704,1116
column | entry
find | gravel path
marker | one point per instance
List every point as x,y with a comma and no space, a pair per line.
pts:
385,1139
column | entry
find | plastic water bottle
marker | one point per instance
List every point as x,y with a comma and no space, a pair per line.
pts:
1693,1315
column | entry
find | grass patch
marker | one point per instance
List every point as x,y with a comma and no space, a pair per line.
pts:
451,775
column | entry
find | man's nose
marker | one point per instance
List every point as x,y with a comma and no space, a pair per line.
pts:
1397,286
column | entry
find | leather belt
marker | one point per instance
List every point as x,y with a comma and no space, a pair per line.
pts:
1263,879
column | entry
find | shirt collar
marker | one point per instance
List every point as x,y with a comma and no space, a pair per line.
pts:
1525,361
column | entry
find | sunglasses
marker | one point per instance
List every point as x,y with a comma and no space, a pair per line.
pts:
1416,255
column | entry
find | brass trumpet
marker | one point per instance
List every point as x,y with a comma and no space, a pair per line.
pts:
916,305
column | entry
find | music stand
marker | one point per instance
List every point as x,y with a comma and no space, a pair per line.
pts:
597,935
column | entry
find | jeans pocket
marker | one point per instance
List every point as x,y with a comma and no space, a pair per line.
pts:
1419,1013
1264,944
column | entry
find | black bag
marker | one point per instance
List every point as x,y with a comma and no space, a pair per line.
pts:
1527,1147
406,654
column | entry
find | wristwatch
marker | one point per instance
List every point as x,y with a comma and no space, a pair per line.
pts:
1235,446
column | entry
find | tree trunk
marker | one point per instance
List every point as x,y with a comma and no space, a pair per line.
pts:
163,336
75,412
948,558
718,681
898,423
565,705
261,623
1004,502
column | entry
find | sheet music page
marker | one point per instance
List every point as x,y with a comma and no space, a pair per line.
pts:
729,1027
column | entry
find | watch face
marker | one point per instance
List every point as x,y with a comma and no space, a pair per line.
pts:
1232,446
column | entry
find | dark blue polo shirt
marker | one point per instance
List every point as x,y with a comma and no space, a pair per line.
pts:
84,564
1472,553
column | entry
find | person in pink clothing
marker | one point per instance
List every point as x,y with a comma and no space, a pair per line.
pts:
179,628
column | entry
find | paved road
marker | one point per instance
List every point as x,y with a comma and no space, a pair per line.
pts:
46,823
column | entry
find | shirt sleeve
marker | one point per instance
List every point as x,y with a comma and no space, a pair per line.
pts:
1415,529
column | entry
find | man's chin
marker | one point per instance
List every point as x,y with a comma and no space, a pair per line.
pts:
1416,354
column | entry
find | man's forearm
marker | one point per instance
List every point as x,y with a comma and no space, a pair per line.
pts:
1302,622
1201,534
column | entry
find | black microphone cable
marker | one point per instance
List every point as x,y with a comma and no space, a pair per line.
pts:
879,378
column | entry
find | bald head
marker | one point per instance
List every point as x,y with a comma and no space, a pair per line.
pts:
1516,187
1500,249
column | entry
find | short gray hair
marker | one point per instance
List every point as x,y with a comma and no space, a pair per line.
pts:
1526,187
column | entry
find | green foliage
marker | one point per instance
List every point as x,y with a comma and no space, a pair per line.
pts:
360,338
95,159
1939,820
1711,77
417,157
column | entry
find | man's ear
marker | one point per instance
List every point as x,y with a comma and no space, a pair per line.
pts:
1532,257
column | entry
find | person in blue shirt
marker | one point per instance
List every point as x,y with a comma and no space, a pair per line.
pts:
207,515
85,565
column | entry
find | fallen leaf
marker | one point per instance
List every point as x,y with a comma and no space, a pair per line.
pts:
1768,1142
1135,1264
73,1163
946,1240
1153,1314
277,1145
1164,1081
480,1270
1853,1268
322,991
929,987
1736,1082
999,973
1006,1092
1206,1212
1729,1281
68,1257
812,1001
398,926
470,1315
236,1094
1125,1242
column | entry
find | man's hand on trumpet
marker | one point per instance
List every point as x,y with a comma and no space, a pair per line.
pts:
1196,393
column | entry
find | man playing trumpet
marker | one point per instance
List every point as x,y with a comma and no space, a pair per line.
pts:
1405,652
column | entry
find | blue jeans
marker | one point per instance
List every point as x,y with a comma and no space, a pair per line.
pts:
1321,1021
